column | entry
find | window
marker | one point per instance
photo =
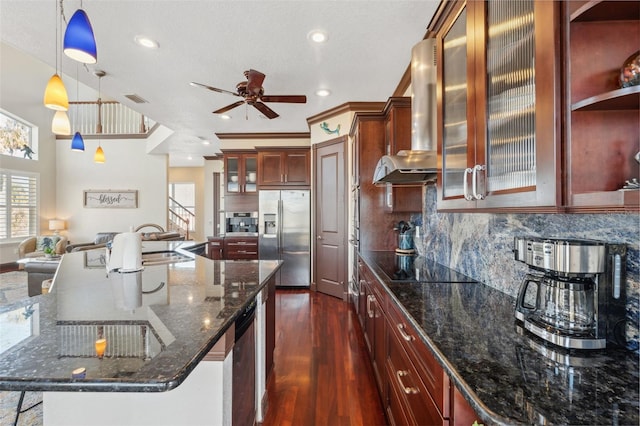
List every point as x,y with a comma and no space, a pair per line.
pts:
16,137
18,204
182,200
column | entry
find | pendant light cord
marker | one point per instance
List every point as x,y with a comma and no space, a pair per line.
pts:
57,23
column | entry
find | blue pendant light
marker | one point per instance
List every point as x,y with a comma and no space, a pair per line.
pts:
77,143
79,42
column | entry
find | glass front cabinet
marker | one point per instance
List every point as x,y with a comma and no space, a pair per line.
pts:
240,170
498,93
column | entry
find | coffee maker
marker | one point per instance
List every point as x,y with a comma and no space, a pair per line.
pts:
575,295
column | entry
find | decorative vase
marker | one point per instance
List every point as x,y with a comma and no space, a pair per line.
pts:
630,71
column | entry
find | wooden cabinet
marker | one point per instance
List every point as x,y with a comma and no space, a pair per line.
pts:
215,247
603,118
241,248
240,180
424,370
374,224
461,412
240,172
284,167
374,324
397,123
409,402
499,93
413,386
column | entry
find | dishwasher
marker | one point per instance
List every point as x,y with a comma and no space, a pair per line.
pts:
244,368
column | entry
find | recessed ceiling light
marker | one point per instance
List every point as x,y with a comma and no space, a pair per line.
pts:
147,42
323,92
206,143
317,36
225,117
189,158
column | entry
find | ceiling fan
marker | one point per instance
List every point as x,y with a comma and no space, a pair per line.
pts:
253,94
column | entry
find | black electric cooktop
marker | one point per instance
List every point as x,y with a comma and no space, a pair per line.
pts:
411,268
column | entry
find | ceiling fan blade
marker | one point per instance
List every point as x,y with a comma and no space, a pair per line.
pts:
228,107
214,89
254,81
294,99
268,112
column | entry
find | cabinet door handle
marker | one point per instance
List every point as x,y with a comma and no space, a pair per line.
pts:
408,390
477,168
403,333
281,178
465,184
369,310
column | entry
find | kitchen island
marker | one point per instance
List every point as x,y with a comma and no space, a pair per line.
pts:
161,324
507,375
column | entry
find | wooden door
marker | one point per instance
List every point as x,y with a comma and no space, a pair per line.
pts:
330,259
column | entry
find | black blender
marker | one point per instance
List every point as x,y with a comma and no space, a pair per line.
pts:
405,252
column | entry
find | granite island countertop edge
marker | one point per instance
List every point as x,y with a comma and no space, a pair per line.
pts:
123,384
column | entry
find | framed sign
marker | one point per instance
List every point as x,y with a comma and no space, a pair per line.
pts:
95,259
127,199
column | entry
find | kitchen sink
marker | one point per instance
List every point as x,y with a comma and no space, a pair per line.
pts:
164,257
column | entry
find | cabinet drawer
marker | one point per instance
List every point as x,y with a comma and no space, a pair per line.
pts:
241,255
428,369
241,248
412,400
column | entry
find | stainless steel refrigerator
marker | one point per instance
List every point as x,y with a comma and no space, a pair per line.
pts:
285,234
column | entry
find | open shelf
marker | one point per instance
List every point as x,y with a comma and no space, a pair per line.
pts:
606,11
622,200
627,98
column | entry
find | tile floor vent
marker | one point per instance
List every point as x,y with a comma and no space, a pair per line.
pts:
137,99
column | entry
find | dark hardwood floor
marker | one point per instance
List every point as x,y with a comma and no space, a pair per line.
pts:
322,373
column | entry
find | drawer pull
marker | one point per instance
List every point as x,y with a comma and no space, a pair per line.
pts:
408,390
405,336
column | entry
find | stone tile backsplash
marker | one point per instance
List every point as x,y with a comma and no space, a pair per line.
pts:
480,245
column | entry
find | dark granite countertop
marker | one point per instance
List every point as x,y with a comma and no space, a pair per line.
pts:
508,376
159,323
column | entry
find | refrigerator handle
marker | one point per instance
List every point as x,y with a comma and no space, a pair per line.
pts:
280,230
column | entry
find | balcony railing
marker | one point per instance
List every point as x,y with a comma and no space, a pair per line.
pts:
107,118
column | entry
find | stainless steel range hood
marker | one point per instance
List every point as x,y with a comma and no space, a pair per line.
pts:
420,164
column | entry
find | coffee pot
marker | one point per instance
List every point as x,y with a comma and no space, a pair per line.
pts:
575,295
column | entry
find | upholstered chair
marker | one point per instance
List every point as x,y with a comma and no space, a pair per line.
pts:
34,246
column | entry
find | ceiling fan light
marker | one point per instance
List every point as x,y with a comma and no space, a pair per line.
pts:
60,124
77,143
99,156
55,95
79,41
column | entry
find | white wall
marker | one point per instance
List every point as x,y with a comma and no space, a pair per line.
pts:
127,166
21,97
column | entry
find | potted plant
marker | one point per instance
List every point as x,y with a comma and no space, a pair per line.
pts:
49,252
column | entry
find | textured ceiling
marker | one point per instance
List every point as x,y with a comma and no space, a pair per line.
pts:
214,42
